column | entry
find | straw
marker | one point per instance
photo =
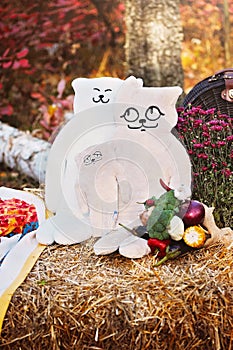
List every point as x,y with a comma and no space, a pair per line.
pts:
73,299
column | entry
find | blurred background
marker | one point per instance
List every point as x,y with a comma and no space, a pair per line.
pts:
46,44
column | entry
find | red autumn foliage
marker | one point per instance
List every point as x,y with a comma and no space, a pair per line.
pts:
47,44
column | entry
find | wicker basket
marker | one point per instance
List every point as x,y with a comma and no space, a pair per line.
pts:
215,91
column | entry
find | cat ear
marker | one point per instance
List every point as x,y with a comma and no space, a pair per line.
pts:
128,88
76,82
176,91
168,99
133,82
76,85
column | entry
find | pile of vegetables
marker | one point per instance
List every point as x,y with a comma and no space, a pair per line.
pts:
171,224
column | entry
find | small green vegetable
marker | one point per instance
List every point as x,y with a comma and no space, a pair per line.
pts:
167,205
169,255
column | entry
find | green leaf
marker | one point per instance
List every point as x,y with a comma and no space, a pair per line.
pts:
154,217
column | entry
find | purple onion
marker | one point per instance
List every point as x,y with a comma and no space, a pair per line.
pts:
195,214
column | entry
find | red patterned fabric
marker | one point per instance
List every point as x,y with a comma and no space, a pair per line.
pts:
15,214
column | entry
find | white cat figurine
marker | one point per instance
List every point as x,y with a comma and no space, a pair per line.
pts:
143,140
93,124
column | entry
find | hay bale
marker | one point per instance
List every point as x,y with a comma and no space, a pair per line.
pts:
73,299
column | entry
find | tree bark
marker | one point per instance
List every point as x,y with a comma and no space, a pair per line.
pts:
227,33
19,150
153,41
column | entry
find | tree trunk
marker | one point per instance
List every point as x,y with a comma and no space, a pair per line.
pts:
153,41
227,33
21,151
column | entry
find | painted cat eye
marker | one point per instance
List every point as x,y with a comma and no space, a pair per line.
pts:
153,113
130,115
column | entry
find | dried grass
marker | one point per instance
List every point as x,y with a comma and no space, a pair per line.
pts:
73,299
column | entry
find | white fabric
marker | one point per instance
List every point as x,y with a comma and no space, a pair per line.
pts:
15,260
19,250
7,243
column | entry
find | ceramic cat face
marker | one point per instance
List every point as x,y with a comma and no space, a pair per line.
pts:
96,91
142,120
145,108
146,116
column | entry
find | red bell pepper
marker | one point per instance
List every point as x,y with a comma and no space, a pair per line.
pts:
161,245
